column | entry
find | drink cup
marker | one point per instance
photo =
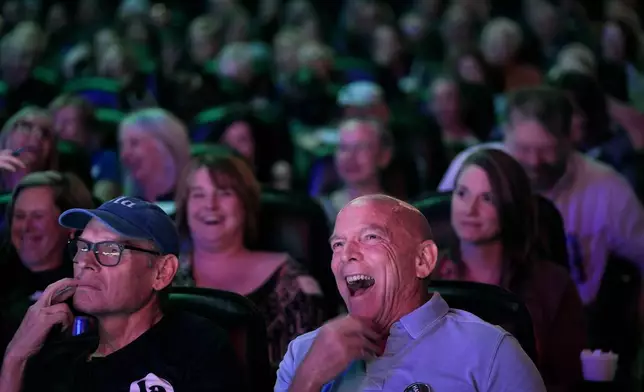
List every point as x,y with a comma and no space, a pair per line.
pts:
599,366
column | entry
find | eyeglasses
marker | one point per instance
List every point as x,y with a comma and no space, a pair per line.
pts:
107,253
31,127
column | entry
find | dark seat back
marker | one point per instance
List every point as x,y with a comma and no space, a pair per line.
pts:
295,223
436,209
551,234
613,316
493,304
240,319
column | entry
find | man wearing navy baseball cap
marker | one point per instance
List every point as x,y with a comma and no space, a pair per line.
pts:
124,257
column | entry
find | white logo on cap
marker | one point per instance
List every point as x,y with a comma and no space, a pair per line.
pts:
124,201
151,383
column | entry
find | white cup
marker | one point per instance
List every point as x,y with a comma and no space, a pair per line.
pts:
598,365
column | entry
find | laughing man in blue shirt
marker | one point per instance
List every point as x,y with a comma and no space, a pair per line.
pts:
397,337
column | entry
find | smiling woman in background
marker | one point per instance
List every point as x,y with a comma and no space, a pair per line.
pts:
494,218
154,149
217,208
35,254
30,134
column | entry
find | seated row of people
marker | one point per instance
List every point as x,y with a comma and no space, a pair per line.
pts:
492,213
126,256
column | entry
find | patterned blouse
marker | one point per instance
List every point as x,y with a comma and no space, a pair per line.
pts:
290,301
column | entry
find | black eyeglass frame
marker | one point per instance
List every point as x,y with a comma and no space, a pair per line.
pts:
72,245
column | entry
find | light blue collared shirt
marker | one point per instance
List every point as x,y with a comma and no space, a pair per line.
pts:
449,350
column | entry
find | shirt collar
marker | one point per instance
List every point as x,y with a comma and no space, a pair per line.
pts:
415,323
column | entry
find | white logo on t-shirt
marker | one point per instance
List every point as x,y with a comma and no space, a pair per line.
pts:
151,383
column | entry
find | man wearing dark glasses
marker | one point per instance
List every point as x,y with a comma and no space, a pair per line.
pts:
125,256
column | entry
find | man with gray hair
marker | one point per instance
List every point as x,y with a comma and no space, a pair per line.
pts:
124,259
365,148
601,213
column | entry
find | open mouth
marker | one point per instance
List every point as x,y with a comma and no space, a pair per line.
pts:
359,284
211,220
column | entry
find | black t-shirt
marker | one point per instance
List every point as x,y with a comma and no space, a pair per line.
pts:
182,352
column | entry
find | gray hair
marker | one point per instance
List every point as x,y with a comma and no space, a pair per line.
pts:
164,127
385,137
505,29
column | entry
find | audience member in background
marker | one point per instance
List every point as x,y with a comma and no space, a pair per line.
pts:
601,213
619,58
501,40
494,218
35,256
124,258
458,30
365,148
419,160
247,134
470,66
286,45
390,55
217,211
74,121
601,131
30,137
21,52
154,149
548,33
103,39
205,36
119,63
449,111
397,333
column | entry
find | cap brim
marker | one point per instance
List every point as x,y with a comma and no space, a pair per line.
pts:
78,218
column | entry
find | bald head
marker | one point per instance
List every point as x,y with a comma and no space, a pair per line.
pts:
402,214
390,243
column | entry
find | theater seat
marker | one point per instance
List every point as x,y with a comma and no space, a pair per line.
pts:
436,209
295,223
551,234
100,92
240,319
493,304
613,318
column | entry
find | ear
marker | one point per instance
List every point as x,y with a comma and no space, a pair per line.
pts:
426,259
166,269
384,157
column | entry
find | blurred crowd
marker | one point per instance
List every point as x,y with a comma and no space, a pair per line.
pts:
253,123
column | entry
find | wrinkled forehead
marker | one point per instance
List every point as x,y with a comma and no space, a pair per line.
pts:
365,212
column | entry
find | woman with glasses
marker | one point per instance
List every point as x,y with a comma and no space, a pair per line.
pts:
28,136
35,254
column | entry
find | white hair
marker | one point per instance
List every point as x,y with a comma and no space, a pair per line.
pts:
166,129
503,29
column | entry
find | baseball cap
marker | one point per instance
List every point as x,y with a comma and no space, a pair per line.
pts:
130,217
361,93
